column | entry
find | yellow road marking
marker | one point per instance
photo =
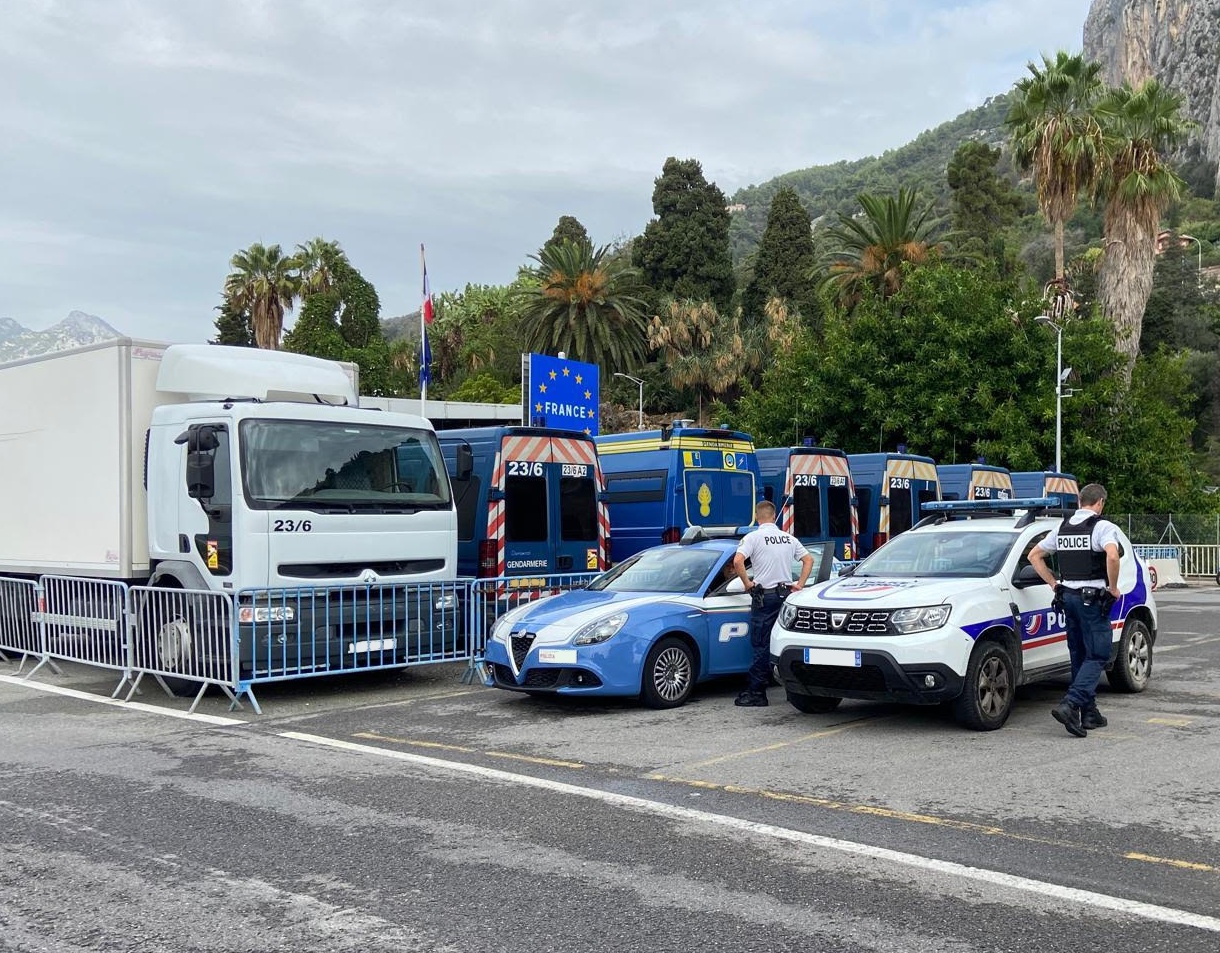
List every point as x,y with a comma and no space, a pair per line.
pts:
825,733
910,817
1171,722
1184,864
441,746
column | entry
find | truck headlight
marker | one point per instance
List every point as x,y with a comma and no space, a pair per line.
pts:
601,630
256,614
921,619
787,615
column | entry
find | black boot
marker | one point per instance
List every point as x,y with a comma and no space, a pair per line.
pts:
1068,715
748,699
1091,718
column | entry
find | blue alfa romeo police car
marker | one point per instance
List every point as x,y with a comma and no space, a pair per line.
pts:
653,626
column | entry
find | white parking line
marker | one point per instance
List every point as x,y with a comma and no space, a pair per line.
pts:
118,703
1134,908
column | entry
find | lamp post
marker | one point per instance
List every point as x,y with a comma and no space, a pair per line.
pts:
1059,375
1191,238
640,384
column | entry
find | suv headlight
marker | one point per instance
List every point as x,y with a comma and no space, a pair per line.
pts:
920,619
601,630
787,615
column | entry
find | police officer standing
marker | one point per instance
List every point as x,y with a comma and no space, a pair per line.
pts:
1088,549
771,553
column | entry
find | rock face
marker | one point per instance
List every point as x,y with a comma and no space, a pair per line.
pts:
1177,41
76,330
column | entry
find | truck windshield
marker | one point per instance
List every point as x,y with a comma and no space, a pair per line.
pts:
321,465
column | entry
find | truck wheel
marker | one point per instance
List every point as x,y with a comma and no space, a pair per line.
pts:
987,696
1132,666
813,704
170,640
669,674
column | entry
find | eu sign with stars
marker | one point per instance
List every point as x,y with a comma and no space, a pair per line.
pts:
563,393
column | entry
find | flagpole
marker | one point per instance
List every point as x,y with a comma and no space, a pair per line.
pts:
423,382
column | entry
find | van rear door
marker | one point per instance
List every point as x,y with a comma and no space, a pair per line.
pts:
581,519
716,496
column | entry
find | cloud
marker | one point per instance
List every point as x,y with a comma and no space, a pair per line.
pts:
150,139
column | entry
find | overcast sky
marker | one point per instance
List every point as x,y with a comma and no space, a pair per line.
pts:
142,142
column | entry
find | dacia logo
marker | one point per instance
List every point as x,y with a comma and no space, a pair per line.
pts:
837,619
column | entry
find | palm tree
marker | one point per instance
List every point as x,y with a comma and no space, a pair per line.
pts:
585,303
1137,185
872,249
264,283
316,261
1055,132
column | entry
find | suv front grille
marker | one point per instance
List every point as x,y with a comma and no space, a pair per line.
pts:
834,622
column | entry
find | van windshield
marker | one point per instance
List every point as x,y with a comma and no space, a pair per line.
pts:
322,465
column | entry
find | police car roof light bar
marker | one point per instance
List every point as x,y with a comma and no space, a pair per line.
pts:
990,506
700,534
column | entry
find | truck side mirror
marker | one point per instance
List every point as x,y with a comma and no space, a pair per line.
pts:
465,461
201,474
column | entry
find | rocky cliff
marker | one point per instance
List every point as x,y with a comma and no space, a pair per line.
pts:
1177,41
76,330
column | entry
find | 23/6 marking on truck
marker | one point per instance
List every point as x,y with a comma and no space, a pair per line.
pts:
575,470
524,468
292,526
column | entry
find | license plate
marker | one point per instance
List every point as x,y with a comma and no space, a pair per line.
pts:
557,656
373,645
832,657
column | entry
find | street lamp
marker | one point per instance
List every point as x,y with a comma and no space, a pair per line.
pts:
641,386
1191,238
1060,377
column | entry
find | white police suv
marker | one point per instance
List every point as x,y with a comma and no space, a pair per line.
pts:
951,611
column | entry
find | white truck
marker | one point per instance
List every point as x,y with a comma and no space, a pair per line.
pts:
218,468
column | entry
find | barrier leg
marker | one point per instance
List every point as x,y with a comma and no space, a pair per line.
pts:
471,676
123,680
249,693
135,687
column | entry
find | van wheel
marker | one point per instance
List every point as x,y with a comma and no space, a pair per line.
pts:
669,674
987,697
813,704
1132,666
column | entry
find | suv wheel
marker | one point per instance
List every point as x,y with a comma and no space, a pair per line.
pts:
987,696
1133,664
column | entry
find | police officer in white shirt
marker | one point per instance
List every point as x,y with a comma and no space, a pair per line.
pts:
1089,550
771,553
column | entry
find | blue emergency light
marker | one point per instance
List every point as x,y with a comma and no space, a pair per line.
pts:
990,506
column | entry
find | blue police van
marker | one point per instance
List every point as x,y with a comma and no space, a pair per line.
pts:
974,481
890,490
660,482
528,501
1035,483
814,495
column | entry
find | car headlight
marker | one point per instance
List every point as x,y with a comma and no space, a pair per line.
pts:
601,630
920,619
787,615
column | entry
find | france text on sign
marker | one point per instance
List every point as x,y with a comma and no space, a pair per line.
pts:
563,393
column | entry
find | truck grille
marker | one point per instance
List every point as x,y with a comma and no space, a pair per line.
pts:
833,622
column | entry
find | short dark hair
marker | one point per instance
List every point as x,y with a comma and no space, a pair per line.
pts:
1093,493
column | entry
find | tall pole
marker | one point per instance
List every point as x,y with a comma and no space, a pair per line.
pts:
423,381
639,383
1058,398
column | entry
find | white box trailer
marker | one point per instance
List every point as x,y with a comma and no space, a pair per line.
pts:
72,432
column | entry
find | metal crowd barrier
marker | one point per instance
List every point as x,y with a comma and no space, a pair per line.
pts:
187,639
283,634
183,638
1201,561
18,631
491,598
83,620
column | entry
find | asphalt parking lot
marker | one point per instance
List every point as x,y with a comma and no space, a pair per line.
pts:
1130,811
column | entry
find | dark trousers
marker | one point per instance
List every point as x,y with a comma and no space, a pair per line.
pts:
764,610
1089,643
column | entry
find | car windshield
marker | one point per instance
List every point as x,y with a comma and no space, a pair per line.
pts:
661,570
940,553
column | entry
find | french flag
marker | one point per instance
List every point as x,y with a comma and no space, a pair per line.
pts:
427,305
